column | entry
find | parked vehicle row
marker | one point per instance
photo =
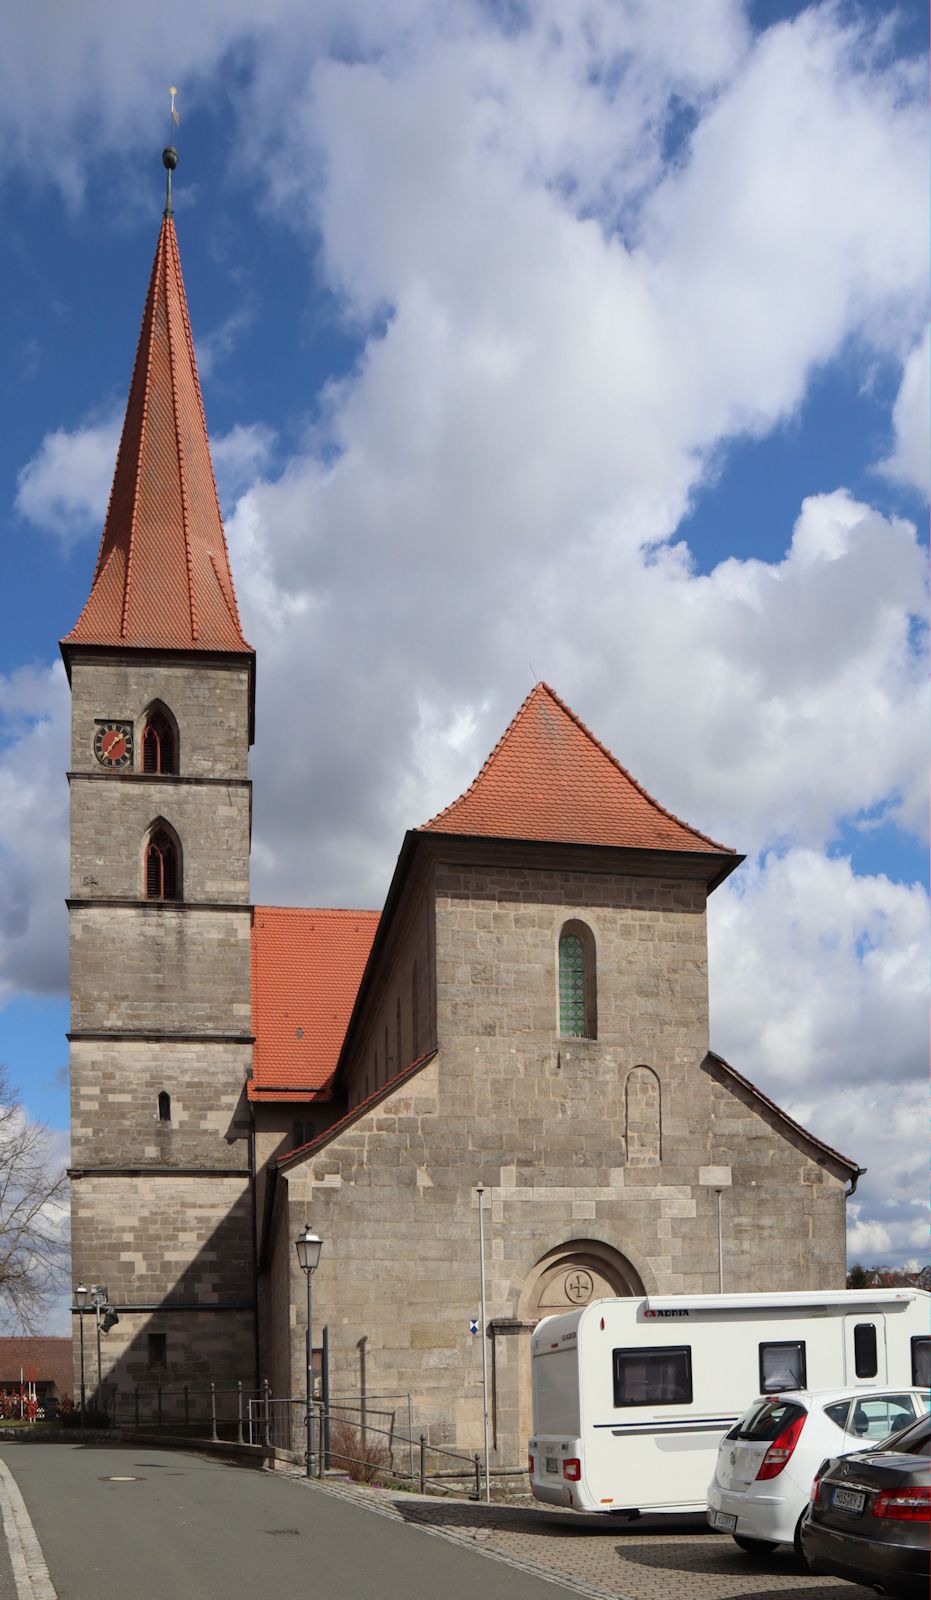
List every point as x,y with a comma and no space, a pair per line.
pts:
761,1492
639,1404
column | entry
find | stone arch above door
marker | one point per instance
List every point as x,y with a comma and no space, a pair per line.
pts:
574,1273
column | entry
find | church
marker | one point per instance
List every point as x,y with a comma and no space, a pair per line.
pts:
528,1012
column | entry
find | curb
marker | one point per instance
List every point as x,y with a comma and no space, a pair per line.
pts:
30,1573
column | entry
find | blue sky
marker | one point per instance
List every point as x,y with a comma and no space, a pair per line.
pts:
554,336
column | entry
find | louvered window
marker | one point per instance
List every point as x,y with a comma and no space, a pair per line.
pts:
161,869
159,748
572,1021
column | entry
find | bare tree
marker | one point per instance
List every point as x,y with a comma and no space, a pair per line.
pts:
33,1214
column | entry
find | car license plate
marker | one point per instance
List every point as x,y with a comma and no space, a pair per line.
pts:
848,1500
722,1520
552,1465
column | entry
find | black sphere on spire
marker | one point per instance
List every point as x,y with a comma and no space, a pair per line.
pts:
169,157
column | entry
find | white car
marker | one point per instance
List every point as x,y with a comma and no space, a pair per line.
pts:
767,1462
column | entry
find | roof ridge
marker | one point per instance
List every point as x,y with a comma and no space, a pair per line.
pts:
148,321
203,415
543,688
179,444
317,911
486,763
799,1127
656,804
320,1140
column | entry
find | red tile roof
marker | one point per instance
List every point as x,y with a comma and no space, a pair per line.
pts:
549,778
306,967
163,576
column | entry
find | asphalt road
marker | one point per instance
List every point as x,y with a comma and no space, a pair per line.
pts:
187,1528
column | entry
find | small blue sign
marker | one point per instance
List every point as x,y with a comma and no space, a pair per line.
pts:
473,1324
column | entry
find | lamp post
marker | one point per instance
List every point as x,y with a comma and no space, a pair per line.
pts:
80,1295
308,1247
98,1299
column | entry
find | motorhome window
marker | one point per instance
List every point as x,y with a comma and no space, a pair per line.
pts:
782,1365
921,1361
865,1364
767,1420
658,1376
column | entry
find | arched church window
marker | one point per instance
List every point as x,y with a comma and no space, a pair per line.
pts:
164,1106
577,986
162,868
159,744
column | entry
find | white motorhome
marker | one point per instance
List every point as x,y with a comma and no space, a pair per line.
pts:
632,1397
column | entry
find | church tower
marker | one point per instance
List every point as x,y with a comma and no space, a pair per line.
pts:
162,684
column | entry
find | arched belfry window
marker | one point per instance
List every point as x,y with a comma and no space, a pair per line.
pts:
159,741
164,1106
162,865
578,1015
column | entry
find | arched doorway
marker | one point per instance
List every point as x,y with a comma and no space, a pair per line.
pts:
564,1278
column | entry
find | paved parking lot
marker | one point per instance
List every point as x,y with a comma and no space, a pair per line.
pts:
653,1559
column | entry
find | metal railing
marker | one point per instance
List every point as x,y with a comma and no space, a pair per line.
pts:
345,1435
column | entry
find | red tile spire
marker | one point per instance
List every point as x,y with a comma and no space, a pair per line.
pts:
549,778
163,578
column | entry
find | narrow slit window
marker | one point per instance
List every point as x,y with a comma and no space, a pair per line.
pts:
161,868
164,1106
158,1352
159,745
571,986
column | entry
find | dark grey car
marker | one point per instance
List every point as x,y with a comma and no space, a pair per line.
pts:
869,1519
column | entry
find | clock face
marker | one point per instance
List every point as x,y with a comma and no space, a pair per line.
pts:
113,744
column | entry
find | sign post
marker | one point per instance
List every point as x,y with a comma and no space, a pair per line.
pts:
484,1336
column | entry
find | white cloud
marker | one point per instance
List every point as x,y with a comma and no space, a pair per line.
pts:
34,747
910,461
819,994
64,488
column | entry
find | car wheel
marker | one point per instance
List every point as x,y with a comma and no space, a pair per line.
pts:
797,1542
754,1547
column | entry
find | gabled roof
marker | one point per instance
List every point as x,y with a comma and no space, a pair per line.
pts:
306,966
724,1073
549,778
163,578
315,1145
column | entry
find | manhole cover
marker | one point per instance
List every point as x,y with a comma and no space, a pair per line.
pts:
118,1479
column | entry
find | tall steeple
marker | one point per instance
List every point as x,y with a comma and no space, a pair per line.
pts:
163,578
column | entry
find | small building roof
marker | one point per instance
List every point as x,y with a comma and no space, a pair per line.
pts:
163,578
39,1358
306,967
549,778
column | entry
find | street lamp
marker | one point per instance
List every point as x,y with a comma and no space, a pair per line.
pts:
80,1295
98,1299
308,1247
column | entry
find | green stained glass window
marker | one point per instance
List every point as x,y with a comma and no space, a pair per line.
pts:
572,986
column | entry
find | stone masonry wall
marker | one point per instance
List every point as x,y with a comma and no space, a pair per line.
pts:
208,699
160,968
111,820
541,1121
385,1040
115,1113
